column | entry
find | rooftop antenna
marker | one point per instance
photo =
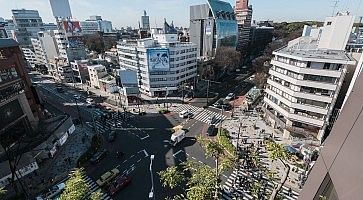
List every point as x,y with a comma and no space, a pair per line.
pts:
335,7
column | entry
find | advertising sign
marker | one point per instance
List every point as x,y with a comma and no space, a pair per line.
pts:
208,30
75,42
72,26
158,59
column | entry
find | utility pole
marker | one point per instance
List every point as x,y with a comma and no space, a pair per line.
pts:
208,83
220,124
79,113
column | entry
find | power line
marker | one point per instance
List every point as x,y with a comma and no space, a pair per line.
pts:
335,6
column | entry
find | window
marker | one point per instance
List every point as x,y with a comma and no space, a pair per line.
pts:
329,23
326,66
308,64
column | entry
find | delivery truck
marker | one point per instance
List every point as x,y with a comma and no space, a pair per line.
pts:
177,137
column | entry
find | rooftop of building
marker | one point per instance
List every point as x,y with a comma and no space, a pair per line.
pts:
107,79
8,42
95,66
306,47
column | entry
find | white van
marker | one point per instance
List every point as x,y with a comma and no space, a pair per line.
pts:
177,137
184,114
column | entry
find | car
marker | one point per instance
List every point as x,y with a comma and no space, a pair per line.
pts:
76,96
107,177
211,131
212,119
90,101
190,115
98,156
184,114
218,103
111,136
59,89
230,96
119,184
55,190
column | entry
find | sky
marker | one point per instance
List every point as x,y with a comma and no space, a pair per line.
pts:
124,13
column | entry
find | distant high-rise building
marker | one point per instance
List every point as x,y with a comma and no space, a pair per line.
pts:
213,25
145,21
28,23
244,17
61,9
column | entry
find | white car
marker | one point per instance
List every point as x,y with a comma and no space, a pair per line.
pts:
90,101
76,97
184,114
230,96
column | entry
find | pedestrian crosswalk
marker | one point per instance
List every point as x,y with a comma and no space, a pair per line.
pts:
95,188
195,110
234,189
206,116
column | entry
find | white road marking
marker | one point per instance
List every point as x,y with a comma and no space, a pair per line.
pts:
145,137
177,153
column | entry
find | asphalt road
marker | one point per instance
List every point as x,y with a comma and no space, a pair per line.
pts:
138,138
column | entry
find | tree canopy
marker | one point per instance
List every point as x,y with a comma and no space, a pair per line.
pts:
76,187
171,177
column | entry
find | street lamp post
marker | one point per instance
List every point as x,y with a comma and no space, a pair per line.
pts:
208,83
151,194
166,97
79,113
220,124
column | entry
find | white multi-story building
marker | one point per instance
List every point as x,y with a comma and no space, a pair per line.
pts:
96,72
305,79
162,63
96,24
70,47
45,47
30,57
80,71
28,23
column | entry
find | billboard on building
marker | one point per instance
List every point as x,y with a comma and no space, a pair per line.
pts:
158,59
75,42
72,26
208,30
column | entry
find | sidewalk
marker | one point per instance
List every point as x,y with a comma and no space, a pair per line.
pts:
57,169
251,126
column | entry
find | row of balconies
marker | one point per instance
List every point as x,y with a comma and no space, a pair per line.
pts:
295,117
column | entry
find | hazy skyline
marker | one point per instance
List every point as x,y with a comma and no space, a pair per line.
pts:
127,13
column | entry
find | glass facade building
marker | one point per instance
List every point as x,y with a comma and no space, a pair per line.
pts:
213,25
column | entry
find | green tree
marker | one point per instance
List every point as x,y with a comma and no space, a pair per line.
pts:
201,185
96,195
2,192
171,177
278,152
76,187
255,189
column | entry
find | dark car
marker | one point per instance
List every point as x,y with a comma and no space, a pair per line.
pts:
111,136
59,89
98,156
120,183
211,130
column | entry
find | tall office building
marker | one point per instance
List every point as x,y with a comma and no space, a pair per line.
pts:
95,24
337,174
244,16
28,23
162,63
306,77
61,9
45,47
145,21
213,25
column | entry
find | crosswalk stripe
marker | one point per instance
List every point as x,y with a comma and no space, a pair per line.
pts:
206,114
239,172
